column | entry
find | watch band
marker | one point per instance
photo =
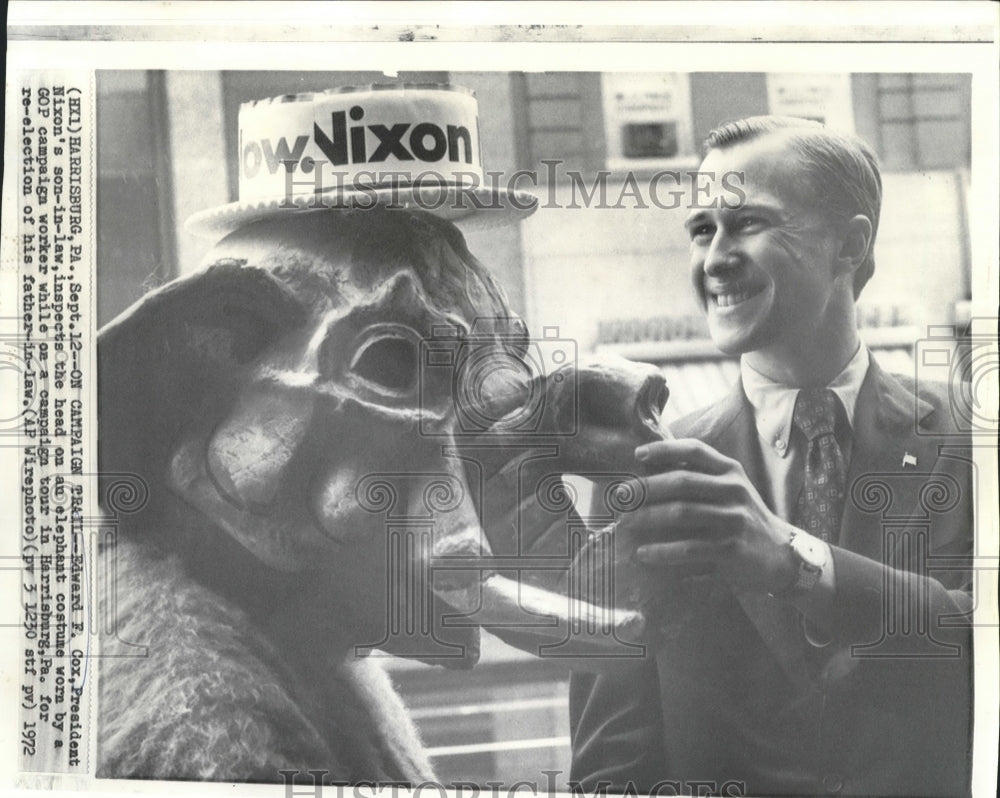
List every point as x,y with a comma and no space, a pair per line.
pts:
810,557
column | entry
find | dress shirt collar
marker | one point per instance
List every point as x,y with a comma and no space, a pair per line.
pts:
774,403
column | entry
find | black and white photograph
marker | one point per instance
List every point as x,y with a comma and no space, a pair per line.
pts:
597,409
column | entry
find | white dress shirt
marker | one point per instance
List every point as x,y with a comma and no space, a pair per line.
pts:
783,450
783,447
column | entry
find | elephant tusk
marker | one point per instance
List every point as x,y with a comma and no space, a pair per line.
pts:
555,624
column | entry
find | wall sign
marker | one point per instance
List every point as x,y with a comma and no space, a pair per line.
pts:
647,120
824,97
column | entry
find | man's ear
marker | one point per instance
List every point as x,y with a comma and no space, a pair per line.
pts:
855,242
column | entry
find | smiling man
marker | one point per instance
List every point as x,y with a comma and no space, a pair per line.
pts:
821,651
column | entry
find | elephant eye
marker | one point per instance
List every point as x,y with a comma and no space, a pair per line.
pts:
389,362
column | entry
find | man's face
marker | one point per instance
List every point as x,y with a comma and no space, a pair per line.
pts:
763,272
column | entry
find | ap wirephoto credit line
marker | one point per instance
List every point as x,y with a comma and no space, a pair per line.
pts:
56,227
388,419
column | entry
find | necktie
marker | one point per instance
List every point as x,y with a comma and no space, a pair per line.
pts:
821,501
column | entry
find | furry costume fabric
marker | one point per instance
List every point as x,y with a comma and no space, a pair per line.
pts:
212,698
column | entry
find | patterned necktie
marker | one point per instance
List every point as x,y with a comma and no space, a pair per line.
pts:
821,501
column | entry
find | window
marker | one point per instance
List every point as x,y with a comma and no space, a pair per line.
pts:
557,116
924,120
135,221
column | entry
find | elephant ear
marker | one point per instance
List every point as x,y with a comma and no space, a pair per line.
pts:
176,357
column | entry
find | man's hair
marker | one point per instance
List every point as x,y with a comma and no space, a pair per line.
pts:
842,174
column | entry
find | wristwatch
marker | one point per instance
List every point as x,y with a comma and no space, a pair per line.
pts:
810,555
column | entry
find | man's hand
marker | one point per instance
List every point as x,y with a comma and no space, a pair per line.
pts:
701,512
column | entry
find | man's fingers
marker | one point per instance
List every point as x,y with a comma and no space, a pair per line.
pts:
676,520
686,453
680,552
682,485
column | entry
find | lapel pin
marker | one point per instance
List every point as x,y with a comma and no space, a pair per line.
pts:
909,460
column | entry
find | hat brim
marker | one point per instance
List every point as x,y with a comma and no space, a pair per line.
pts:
471,208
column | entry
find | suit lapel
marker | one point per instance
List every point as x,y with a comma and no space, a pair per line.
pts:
734,434
885,432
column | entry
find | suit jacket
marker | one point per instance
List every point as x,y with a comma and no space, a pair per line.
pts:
736,701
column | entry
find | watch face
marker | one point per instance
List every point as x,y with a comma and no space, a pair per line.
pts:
809,551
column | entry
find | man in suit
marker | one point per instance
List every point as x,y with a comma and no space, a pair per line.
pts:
815,524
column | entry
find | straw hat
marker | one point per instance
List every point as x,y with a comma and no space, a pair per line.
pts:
410,146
